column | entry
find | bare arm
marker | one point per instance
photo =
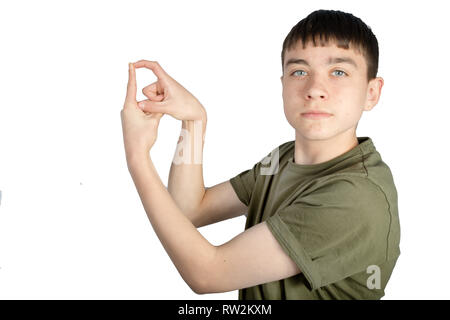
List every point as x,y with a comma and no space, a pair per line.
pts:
203,206
186,184
219,203
204,267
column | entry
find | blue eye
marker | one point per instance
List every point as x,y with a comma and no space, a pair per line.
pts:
340,73
297,71
343,73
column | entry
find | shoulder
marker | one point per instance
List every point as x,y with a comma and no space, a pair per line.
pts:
352,193
341,183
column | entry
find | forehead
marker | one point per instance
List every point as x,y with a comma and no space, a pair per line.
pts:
324,53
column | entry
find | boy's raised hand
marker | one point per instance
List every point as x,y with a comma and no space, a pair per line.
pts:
140,129
167,96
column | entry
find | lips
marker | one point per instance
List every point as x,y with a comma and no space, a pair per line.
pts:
316,114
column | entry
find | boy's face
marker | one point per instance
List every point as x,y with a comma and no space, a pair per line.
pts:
331,80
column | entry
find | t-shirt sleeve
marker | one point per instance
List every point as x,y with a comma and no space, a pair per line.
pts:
244,182
335,229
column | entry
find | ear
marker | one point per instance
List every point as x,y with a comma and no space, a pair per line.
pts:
373,93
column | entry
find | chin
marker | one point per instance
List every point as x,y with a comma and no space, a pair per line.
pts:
314,136
314,131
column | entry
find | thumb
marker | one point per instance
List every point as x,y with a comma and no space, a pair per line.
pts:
153,106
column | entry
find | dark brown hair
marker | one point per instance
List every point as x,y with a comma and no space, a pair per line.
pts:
338,27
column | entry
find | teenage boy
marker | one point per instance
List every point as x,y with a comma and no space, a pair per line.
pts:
322,217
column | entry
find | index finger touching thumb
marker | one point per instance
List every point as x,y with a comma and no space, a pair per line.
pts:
153,106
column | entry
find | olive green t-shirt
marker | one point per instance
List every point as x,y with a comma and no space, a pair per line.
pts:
337,220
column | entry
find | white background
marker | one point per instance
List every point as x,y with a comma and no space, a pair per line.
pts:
71,222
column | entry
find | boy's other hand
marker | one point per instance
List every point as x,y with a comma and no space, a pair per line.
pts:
167,96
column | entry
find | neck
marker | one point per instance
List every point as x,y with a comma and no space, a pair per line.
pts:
309,152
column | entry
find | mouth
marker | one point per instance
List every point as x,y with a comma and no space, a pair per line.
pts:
316,115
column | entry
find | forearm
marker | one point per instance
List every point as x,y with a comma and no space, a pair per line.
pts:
187,248
186,184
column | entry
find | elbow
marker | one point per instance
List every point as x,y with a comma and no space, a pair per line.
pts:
205,273
205,284
199,292
199,287
206,289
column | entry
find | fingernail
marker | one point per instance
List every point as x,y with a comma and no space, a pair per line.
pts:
141,105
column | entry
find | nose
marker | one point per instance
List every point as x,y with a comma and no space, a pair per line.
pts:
315,90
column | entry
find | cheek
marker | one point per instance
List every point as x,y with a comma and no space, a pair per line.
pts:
286,92
350,101
291,98
290,87
351,116
289,111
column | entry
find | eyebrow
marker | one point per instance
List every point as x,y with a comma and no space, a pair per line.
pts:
332,60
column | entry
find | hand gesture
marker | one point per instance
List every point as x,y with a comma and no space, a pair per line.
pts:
139,128
167,96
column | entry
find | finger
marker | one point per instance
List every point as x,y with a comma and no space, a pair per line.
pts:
151,92
154,66
153,106
131,87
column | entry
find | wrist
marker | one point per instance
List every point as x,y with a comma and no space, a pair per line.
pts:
136,158
201,116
